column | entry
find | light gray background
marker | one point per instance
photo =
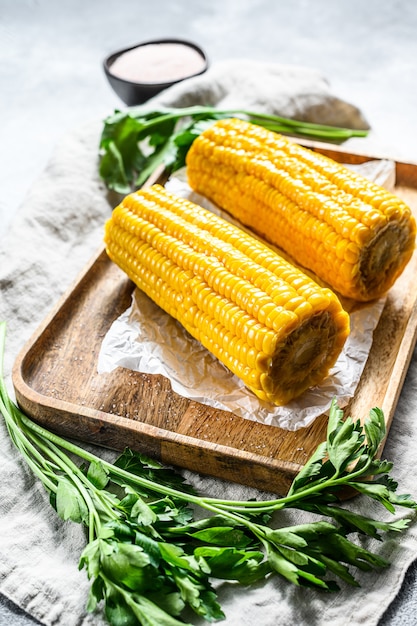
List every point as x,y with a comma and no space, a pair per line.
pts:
51,81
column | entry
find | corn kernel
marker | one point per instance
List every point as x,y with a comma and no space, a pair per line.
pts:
220,283
303,203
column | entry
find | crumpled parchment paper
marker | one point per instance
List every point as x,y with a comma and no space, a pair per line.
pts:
146,339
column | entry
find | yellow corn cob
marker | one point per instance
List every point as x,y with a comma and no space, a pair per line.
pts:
269,323
354,235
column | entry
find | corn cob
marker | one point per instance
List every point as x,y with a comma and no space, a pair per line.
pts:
352,234
265,320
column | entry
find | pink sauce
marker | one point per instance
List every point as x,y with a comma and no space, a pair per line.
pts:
158,63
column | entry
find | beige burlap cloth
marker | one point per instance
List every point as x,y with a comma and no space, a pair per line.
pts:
57,230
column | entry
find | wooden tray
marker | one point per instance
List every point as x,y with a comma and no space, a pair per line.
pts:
57,384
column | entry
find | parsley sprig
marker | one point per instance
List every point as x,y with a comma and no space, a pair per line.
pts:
136,142
148,556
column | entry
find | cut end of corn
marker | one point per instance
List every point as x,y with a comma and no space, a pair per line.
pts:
351,233
265,320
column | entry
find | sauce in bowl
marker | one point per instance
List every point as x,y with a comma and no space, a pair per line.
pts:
158,63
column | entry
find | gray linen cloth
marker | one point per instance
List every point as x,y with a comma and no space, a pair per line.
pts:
57,230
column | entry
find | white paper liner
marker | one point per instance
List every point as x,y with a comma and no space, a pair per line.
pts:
148,340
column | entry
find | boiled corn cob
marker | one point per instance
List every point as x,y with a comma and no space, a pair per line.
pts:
352,234
266,321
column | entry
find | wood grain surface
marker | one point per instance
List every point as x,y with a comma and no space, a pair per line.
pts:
56,381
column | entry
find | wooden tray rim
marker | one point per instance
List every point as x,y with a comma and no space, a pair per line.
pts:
392,392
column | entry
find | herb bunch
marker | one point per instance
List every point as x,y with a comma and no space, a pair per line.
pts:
148,556
137,142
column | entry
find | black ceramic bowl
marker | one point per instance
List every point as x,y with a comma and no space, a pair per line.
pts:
142,71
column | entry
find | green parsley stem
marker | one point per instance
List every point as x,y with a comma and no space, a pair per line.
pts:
214,505
273,122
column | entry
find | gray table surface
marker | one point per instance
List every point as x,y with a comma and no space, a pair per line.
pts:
51,80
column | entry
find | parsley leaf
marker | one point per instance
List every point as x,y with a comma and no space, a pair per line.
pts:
135,143
147,556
